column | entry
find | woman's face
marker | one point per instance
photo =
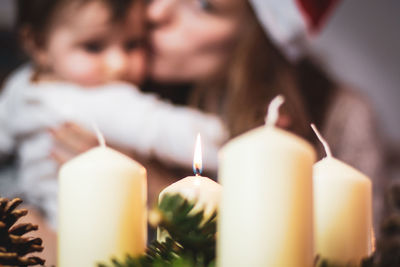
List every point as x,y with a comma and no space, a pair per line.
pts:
192,40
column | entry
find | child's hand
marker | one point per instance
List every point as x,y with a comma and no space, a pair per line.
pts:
71,140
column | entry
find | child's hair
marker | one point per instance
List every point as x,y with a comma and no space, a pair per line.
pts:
37,15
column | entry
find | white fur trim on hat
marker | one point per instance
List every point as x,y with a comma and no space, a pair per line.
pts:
284,23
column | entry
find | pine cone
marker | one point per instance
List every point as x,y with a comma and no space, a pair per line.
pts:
14,247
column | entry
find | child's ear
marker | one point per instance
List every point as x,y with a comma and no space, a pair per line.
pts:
35,50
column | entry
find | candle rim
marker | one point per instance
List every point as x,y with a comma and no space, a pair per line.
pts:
173,188
134,163
342,165
262,130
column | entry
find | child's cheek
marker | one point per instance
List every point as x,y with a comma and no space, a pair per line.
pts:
137,66
81,68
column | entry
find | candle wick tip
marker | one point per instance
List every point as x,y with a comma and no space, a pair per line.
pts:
197,171
100,137
273,110
322,140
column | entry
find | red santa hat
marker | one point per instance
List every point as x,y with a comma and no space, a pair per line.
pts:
289,22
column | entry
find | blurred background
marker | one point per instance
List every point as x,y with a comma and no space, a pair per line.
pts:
359,46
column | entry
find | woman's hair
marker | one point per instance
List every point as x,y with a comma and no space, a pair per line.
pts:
256,73
38,15
317,90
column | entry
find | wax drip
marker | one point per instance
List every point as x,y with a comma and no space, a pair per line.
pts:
323,141
273,110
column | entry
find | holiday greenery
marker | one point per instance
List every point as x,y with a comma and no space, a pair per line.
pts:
388,246
14,246
190,237
387,252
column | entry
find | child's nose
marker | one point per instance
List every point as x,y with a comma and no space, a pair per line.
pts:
115,63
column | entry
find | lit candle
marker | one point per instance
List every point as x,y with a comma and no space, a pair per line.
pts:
266,206
102,208
342,209
204,191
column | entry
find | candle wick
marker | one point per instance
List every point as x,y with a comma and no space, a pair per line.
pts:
197,171
273,110
197,160
100,137
323,141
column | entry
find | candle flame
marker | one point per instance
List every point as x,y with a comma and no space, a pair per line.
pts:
197,159
273,110
100,137
322,140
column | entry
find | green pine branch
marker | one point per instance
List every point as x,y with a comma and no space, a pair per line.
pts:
190,237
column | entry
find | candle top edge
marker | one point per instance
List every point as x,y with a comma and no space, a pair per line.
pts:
187,187
193,179
106,154
274,131
339,166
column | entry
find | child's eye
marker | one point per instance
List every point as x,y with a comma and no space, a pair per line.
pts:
133,44
205,5
93,47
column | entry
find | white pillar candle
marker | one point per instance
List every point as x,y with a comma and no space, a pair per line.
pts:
102,208
266,216
204,191
342,209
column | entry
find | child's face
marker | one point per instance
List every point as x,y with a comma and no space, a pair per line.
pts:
83,46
